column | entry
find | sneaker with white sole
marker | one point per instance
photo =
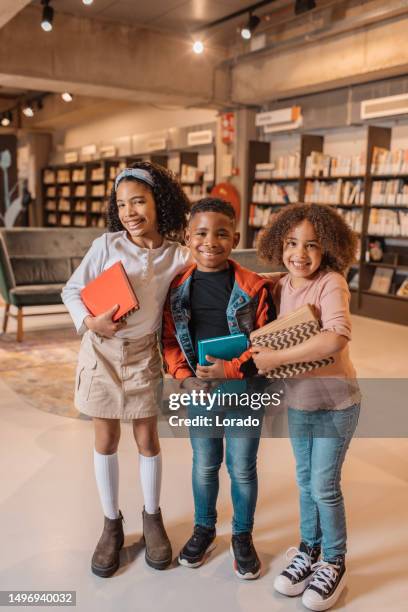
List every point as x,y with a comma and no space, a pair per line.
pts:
247,565
297,575
326,585
198,547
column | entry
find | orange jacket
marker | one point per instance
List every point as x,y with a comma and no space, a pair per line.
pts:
250,307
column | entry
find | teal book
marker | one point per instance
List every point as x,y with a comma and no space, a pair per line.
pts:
223,347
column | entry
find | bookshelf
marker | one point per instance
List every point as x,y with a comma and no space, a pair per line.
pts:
370,190
76,195
195,170
275,185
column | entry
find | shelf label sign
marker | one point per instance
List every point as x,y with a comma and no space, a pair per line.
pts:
71,157
277,117
199,138
108,151
156,144
88,151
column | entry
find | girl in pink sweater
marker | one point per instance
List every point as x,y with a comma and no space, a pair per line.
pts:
316,246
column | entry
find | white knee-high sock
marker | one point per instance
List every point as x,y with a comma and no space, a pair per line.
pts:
107,480
150,477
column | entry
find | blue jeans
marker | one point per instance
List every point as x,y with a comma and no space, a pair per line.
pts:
241,456
320,440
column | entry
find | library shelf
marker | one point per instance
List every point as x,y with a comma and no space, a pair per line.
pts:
364,303
345,177
291,179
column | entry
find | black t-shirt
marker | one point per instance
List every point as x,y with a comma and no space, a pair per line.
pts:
209,297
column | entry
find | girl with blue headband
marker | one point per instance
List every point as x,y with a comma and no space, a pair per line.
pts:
119,366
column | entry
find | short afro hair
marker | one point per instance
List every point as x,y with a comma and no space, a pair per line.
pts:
336,238
213,205
172,205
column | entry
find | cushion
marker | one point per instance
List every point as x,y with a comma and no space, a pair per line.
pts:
36,295
40,270
45,242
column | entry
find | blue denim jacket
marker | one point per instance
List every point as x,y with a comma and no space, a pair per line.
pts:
241,311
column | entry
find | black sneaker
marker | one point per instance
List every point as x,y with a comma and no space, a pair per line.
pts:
326,585
247,565
198,547
297,575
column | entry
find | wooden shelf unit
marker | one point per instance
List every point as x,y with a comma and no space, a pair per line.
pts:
84,189
387,307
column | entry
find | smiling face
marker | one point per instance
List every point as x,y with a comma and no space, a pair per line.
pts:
302,253
137,212
211,237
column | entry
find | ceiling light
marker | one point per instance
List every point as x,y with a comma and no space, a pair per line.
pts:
47,16
67,97
87,1
198,46
251,25
302,6
6,119
28,110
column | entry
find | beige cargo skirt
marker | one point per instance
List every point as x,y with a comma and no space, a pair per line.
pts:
118,378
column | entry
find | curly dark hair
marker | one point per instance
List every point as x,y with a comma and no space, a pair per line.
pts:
213,205
337,240
172,205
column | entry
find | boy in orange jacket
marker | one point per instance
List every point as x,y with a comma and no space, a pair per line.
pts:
217,297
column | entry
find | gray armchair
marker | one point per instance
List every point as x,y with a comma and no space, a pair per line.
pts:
35,263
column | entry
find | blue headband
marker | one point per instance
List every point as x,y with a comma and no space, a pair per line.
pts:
137,173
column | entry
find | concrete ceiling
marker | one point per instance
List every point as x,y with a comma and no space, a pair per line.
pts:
177,16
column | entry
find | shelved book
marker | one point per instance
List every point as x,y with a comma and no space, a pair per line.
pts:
275,193
259,216
110,288
385,161
403,289
286,332
393,192
388,223
354,279
382,279
190,174
354,218
320,164
337,192
285,166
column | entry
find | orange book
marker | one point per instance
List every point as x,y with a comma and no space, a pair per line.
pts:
110,288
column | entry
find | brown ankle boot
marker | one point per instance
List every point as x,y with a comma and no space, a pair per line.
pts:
105,560
158,548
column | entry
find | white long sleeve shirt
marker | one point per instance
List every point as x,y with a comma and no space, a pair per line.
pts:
150,273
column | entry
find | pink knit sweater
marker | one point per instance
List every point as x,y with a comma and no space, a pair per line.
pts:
334,386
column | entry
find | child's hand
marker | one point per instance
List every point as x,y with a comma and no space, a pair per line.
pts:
103,323
216,370
266,359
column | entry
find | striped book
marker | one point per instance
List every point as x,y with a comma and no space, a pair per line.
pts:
288,331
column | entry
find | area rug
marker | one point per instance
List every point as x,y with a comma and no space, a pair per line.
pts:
41,369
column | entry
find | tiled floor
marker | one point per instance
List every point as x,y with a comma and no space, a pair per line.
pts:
51,519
